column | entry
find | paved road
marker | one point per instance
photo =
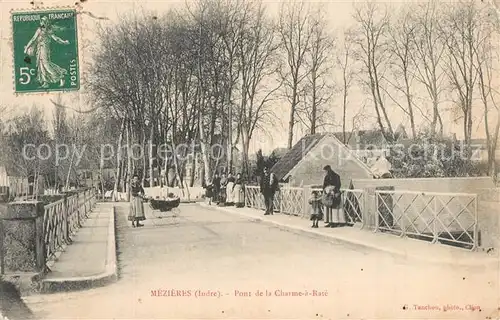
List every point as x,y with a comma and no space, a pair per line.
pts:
212,252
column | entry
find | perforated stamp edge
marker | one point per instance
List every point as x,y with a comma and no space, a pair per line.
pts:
37,9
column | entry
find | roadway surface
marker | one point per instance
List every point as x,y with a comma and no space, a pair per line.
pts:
219,261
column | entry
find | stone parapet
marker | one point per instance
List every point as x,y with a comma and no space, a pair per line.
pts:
22,238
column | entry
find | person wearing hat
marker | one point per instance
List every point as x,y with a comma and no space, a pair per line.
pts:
331,197
268,187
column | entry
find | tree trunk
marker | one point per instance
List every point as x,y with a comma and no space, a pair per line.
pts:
314,105
151,158
230,139
143,156
410,105
344,105
118,161
129,161
246,146
123,175
291,123
102,183
69,170
204,154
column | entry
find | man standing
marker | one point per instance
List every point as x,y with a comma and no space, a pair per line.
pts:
331,190
216,188
268,187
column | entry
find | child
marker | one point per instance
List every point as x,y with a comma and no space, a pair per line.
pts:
316,208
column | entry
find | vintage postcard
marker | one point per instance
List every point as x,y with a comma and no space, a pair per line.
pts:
249,159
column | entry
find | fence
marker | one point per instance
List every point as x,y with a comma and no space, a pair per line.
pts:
447,218
63,218
294,201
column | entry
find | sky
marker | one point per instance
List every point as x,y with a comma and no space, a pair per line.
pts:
339,13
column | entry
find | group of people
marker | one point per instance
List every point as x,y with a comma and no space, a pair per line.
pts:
330,199
226,191
325,204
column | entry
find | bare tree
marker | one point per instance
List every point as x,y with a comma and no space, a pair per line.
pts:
485,55
319,89
463,33
401,34
373,46
345,62
257,53
428,56
295,31
234,20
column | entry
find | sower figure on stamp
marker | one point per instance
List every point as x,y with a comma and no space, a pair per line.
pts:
136,205
39,46
331,197
268,187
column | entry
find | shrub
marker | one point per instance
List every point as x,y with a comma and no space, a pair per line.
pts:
426,157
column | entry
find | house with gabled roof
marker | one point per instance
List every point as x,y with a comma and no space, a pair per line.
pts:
303,164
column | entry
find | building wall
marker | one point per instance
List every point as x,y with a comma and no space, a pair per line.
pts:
450,185
328,152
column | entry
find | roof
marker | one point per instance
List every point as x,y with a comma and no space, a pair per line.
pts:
373,138
366,137
280,152
293,156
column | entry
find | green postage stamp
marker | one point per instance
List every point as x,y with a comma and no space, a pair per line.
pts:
45,51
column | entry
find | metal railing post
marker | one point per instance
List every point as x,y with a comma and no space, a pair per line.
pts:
475,244
245,195
281,200
435,234
363,207
403,225
304,201
66,215
377,217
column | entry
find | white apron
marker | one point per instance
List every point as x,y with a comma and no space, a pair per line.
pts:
229,192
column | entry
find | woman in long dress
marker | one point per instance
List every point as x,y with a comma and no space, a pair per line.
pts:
39,46
136,205
239,197
230,189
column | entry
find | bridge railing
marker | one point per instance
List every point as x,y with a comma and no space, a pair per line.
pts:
294,201
63,218
447,218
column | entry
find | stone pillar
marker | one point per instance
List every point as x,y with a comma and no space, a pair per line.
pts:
22,238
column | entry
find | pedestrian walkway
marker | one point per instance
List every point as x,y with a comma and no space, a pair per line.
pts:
91,258
403,247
